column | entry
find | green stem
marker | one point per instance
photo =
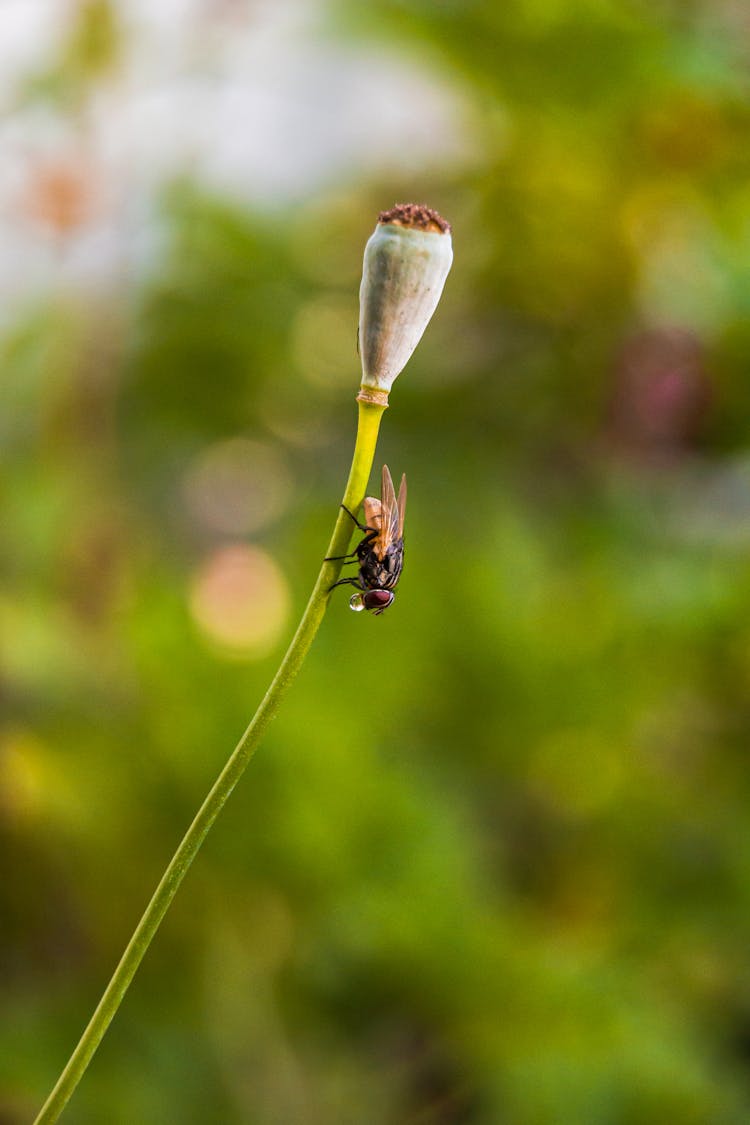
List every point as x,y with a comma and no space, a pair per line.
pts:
364,452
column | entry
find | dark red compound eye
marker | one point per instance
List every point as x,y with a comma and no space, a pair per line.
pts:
377,600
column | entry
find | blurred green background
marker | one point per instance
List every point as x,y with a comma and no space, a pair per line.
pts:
492,862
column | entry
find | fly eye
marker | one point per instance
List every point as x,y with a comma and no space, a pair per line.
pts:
377,600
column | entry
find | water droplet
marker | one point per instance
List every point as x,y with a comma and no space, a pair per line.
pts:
356,603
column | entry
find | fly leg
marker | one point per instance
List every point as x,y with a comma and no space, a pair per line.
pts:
345,582
370,534
361,526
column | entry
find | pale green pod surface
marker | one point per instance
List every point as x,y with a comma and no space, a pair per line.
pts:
407,260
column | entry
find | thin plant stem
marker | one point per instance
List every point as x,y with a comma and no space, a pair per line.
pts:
370,415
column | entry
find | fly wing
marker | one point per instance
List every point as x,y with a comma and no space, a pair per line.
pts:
389,521
401,506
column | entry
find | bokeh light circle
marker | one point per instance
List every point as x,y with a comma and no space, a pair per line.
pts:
240,600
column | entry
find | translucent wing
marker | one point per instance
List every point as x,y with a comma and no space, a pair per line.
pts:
389,520
401,506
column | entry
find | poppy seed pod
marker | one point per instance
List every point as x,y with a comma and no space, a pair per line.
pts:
407,260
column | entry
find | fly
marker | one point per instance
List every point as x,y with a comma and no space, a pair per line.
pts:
380,553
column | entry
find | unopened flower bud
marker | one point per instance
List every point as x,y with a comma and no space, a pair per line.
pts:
407,260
